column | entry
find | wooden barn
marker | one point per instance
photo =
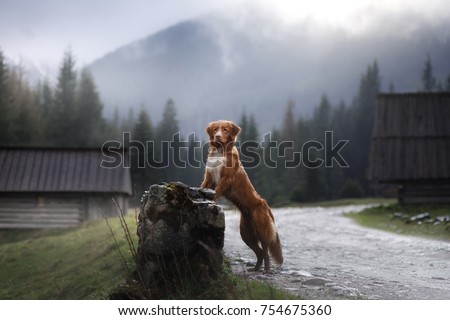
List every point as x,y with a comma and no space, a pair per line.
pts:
411,146
48,187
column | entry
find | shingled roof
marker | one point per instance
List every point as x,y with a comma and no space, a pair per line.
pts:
60,170
411,138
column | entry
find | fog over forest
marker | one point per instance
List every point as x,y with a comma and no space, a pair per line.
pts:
219,61
214,68
296,80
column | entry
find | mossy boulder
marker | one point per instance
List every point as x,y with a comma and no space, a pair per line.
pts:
181,236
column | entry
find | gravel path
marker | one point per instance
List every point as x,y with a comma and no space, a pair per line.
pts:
329,256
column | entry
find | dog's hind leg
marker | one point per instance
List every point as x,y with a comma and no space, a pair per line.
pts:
265,254
249,236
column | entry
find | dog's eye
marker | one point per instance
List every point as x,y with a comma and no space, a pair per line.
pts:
225,130
215,129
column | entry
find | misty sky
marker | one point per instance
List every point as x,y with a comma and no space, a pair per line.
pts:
40,31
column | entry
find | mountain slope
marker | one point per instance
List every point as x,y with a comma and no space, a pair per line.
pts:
214,69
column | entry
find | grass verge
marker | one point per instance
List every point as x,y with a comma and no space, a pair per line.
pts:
75,263
382,217
85,263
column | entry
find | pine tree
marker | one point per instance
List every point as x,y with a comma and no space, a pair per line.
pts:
25,128
141,154
288,130
322,117
46,105
428,79
340,123
363,110
88,112
243,124
251,153
129,122
169,123
288,143
3,81
6,111
64,114
166,131
249,128
143,130
321,122
113,130
23,124
252,129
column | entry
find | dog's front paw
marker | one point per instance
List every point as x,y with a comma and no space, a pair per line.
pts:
207,193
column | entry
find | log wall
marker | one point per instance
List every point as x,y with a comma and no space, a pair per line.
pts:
42,210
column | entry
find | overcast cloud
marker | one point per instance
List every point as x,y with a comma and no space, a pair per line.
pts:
42,30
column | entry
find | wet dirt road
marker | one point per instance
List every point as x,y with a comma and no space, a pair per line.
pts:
329,256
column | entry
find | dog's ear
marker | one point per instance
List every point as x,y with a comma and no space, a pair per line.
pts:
209,129
235,130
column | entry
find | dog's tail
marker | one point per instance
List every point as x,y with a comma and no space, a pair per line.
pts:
265,221
274,244
275,248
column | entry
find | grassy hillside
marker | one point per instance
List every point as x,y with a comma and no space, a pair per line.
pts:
84,263
76,263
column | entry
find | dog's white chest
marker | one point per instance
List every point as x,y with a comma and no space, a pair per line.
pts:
214,166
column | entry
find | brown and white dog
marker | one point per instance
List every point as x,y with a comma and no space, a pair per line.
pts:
226,175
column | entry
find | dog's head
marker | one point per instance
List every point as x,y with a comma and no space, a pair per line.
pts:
222,133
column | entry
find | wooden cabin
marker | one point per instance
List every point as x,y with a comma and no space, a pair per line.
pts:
49,187
411,146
